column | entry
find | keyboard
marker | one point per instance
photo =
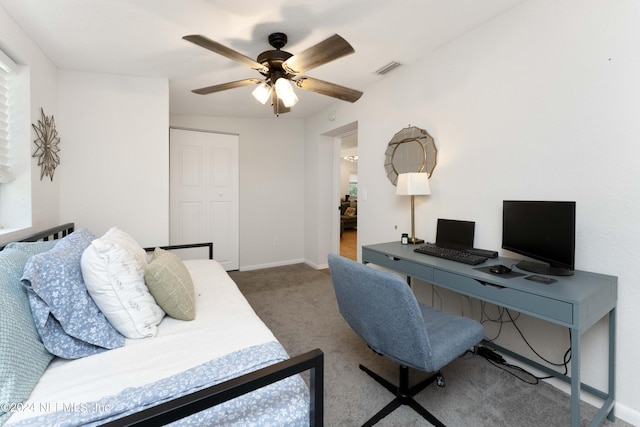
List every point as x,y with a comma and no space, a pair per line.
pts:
451,254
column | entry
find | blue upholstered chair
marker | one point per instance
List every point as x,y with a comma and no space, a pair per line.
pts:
382,309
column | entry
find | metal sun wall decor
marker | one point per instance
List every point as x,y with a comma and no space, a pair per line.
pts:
47,145
410,150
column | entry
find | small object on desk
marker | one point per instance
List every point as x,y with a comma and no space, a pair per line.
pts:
541,279
482,252
450,254
405,239
500,269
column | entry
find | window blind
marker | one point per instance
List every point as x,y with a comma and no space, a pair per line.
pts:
7,72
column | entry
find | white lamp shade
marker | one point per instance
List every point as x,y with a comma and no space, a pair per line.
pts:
285,92
262,93
413,184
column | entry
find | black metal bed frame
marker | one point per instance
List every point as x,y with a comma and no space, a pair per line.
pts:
53,233
182,407
173,410
188,246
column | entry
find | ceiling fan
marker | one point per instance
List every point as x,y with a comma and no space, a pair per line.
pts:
279,68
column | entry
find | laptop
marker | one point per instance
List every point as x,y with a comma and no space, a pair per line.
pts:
454,234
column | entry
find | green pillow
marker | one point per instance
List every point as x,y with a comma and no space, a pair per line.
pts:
32,248
24,357
170,284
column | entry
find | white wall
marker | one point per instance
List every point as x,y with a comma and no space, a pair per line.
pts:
539,103
271,186
113,159
114,167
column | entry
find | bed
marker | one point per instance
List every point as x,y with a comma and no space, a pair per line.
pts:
224,367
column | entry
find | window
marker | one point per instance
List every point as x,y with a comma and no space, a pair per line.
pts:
353,186
15,155
7,71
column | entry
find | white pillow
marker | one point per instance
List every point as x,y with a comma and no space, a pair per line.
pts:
113,269
123,239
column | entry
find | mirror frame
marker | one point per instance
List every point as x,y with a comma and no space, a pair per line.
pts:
395,165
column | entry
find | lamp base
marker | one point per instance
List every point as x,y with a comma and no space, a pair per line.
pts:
415,241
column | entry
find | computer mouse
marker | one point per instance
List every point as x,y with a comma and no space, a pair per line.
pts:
499,269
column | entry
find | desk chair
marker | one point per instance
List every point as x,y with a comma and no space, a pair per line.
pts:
381,308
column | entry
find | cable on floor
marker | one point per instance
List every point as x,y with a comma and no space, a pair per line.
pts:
517,371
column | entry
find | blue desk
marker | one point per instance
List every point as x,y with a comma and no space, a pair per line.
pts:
577,302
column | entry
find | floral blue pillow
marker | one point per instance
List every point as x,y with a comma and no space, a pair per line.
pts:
68,321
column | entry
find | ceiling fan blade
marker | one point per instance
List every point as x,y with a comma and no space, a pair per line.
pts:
225,51
326,51
329,89
278,105
225,86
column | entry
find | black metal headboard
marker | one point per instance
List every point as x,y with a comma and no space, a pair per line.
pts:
54,233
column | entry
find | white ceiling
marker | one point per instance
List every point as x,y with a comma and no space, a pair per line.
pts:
144,38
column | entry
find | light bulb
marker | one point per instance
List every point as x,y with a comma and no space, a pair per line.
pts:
285,92
262,93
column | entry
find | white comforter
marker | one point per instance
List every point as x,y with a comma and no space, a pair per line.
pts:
225,322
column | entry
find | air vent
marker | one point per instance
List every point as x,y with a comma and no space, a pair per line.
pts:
387,68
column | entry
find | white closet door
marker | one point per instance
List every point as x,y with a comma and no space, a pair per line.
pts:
204,192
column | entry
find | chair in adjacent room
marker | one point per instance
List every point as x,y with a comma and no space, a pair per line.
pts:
381,308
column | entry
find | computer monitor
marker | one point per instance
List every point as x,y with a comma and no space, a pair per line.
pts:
542,230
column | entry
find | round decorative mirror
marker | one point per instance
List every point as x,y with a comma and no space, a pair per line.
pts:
410,150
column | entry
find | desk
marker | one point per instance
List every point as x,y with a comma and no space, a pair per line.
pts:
576,302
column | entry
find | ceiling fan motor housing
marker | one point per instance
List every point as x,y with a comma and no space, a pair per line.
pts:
273,59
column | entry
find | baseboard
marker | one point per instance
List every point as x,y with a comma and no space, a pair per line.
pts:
270,265
627,414
316,266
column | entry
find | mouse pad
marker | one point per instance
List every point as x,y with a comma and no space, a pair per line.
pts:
509,275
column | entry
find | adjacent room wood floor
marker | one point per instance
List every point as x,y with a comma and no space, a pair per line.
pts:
348,244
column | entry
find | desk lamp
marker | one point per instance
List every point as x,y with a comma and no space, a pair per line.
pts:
413,184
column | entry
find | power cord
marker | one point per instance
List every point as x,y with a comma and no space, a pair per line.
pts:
489,354
498,361
565,360
495,358
485,317
517,371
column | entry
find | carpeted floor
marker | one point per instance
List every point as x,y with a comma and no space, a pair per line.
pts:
298,304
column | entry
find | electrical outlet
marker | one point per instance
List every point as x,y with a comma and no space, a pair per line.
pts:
275,241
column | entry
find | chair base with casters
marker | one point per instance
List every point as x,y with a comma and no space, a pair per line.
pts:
404,395
383,311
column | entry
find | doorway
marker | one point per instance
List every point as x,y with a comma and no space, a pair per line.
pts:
348,183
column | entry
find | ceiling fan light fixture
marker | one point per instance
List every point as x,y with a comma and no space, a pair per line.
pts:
279,68
285,92
262,93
